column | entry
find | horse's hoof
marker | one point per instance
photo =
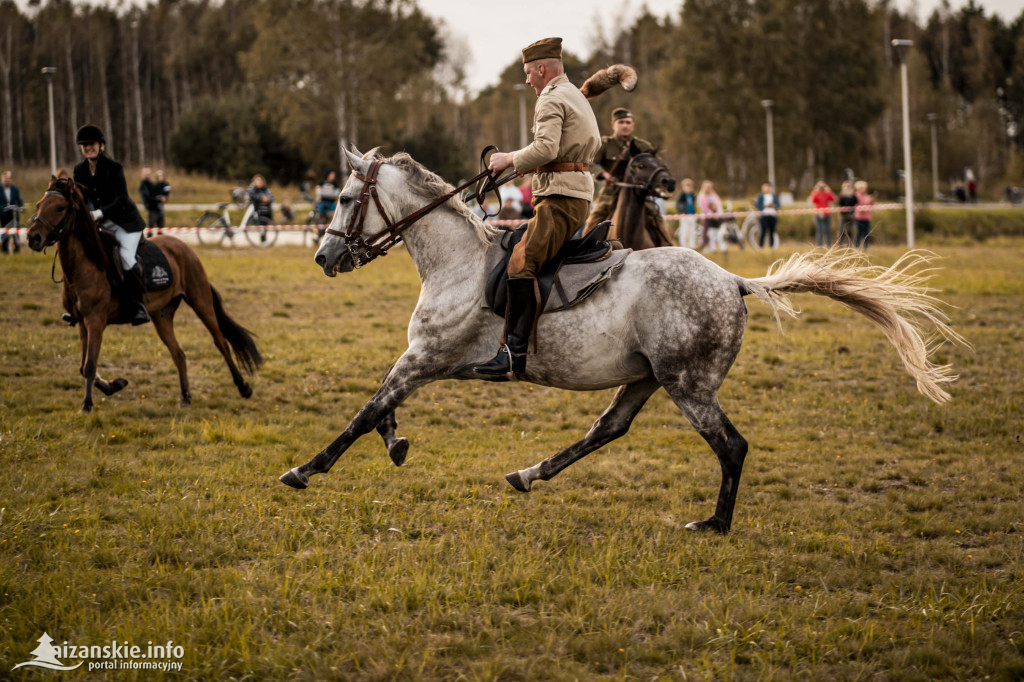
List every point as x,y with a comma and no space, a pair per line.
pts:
119,383
516,480
245,390
186,400
711,525
295,479
86,408
398,451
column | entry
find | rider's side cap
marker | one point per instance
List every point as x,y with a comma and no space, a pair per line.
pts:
546,48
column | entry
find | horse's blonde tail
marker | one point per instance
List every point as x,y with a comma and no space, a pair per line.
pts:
896,298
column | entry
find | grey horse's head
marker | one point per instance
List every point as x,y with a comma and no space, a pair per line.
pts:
343,247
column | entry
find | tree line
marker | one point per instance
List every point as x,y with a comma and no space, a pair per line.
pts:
235,87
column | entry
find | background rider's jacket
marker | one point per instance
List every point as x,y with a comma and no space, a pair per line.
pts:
609,152
108,191
564,131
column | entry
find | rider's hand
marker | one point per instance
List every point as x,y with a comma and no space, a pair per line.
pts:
96,215
500,161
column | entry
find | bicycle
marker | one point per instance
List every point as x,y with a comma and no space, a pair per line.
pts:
214,228
751,229
316,223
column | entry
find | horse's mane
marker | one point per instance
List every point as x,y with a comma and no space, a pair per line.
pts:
430,185
85,227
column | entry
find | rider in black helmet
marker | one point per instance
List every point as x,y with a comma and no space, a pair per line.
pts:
102,182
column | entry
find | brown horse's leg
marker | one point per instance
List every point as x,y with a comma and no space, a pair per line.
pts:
94,325
200,298
614,423
163,321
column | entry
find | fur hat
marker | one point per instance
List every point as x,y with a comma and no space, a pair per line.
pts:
607,78
546,48
619,113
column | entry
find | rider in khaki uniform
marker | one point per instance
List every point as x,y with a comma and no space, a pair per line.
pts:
566,138
613,148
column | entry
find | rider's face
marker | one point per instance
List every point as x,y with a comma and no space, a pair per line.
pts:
90,150
623,127
535,72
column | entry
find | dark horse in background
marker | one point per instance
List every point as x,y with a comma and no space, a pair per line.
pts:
645,176
86,256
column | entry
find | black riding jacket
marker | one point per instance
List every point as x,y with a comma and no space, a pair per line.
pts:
107,190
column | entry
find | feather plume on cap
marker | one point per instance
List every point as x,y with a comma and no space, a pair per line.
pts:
607,78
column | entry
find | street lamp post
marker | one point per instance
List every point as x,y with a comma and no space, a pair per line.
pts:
901,50
48,71
522,87
767,104
932,118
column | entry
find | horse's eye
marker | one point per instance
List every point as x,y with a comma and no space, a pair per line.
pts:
61,209
344,200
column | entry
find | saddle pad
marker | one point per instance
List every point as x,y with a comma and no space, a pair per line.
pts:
156,270
577,270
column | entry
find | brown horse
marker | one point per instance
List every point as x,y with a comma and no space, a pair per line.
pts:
645,176
63,219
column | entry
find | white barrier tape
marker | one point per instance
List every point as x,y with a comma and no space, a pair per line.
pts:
153,231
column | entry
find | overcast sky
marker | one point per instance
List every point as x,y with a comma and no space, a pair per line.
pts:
495,32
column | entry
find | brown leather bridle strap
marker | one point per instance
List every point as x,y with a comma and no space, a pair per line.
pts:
379,244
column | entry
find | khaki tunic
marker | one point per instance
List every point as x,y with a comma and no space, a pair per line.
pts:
609,152
564,131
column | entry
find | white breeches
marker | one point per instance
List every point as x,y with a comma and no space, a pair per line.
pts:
128,241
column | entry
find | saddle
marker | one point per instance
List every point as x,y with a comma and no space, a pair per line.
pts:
578,269
156,270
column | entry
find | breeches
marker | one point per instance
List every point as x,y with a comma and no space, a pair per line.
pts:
128,241
555,220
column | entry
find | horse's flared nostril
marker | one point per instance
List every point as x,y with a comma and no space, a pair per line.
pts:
34,240
321,259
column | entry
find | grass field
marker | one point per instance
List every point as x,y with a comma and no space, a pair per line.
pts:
877,535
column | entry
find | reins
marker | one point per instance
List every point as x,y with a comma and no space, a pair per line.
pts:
56,234
366,249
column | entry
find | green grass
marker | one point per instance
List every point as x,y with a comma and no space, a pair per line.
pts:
876,535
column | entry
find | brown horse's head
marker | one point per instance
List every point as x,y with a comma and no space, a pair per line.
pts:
647,172
55,213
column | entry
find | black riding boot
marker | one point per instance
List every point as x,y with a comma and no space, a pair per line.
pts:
520,313
133,289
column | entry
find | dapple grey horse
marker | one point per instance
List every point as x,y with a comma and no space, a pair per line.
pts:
669,319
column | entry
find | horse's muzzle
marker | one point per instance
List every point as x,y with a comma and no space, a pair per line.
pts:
35,241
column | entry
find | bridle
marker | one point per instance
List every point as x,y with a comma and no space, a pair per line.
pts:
364,249
56,233
648,186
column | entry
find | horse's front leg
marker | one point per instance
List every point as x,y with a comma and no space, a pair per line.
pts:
398,448
406,376
92,339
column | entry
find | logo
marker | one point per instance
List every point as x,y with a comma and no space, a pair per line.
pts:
46,656
159,276
113,656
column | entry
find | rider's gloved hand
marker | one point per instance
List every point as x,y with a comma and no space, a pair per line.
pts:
96,215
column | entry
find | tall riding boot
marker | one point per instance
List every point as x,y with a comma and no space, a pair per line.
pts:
520,313
133,291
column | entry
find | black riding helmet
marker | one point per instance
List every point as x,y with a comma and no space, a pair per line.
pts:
88,134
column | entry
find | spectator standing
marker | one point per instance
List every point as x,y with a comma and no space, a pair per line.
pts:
960,192
972,185
767,205
822,198
686,206
10,204
847,204
711,206
163,191
511,201
862,214
147,190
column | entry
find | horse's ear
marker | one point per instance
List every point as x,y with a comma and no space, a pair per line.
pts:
356,162
634,148
372,154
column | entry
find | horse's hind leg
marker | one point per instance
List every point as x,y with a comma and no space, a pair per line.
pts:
614,423
730,447
201,302
163,321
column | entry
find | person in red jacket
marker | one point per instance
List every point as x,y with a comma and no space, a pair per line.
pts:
822,198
